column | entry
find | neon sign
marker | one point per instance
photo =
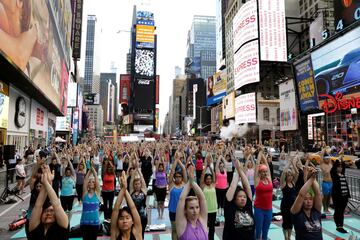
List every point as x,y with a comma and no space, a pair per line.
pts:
337,103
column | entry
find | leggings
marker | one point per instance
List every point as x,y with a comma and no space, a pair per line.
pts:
220,196
108,198
262,222
89,232
67,202
211,225
79,191
340,204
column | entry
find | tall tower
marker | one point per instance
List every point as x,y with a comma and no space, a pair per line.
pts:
89,53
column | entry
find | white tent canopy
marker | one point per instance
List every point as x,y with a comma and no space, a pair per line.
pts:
59,139
129,139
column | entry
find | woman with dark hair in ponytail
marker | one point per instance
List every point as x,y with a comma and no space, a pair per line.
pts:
239,217
125,221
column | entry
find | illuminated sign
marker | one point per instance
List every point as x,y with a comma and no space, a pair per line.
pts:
346,12
337,103
273,45
145,36
247,65
245,24
245,108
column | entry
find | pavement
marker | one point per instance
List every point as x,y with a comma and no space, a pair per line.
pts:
10,212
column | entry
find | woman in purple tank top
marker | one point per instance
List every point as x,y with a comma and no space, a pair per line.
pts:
191,217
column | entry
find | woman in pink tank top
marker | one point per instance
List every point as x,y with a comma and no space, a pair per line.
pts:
191,217
221,183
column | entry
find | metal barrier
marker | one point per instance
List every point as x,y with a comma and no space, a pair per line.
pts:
12,176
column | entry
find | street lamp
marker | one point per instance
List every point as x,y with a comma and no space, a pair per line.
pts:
201,107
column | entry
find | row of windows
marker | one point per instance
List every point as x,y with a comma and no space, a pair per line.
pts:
266,114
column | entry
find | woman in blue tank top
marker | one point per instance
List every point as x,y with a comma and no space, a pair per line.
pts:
176,185
89,222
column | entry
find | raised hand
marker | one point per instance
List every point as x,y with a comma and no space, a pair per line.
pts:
191,170
123,181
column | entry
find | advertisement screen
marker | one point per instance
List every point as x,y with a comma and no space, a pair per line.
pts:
157,89
145,36
64,123
125,86
19,112
145,18
91,98
346,12
144,62
144,94
216,88
304,76
36,37
193,66
337,66
157,119
72,94
229,106
288,111
247,65
245,24
4,110
273,45
245,108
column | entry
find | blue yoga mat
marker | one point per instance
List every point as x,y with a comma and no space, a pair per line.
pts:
154,218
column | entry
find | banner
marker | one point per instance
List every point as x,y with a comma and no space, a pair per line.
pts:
245,108
247,65
304,76
216,88
193,66
228,105
72,94
288,111
125,86
76,27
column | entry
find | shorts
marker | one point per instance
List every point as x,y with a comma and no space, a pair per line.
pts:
160,194
326,188
20,178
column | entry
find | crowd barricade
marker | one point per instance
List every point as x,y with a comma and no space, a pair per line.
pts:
12,176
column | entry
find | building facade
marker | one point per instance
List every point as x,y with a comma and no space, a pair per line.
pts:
175,105
95,113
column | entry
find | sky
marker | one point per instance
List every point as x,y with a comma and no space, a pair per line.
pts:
173,21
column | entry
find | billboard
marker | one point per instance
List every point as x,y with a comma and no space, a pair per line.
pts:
157,84
245,108
304,76
125,86
145,36
273,44
36,38
19,112
193,66
77,6
64,123
91,99
228,105
4,110
38,117
216,88
288,110
247,65
72,94
144,62
337,66
145,18
346,12
144,94
157,115
245,24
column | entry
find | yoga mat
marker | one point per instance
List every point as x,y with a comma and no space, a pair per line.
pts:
154,217
166,236
330,227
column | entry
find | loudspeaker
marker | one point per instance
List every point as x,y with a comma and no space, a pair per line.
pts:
9,152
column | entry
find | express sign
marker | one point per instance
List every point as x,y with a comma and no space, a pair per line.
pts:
337,103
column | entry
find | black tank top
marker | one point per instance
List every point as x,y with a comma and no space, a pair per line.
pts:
132,236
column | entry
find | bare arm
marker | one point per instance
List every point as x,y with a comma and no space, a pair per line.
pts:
318,198
115,214
36,212
244,180
134,213
180,217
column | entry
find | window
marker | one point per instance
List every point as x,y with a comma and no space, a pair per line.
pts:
124,93
266,114
278,115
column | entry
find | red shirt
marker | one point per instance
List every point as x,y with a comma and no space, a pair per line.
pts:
108,182
199,164
263,195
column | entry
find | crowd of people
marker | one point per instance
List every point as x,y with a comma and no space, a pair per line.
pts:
203,183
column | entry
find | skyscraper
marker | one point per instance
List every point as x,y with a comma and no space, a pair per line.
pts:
89,53
201,43
108,96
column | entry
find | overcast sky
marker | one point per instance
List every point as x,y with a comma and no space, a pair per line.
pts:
173,20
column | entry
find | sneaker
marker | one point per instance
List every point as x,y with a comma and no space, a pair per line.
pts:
341,229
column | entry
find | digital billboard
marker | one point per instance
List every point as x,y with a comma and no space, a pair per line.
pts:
144,62
193,66
91,98
72,94
273,44
37,39
337,66
77,6
288,111
245,24
157,83
245,108
145,36
125,86
216,88
228,105
346,12
304,76
4,110
145,18
144,94
247,65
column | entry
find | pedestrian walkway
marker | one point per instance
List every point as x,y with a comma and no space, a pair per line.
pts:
275,233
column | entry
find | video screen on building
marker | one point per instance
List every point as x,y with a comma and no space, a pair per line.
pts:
337,65
144,62
346,12
144,94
